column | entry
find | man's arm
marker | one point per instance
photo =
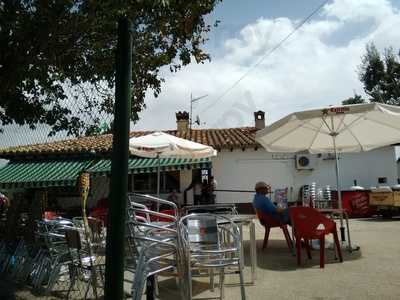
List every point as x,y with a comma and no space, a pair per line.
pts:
280,210
267,206
189,187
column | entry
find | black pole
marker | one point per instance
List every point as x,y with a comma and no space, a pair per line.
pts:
115,254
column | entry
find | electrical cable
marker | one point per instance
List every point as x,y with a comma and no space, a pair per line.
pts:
268,53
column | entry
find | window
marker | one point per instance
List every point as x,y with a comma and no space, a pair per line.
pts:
147,183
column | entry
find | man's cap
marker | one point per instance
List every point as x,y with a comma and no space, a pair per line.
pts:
260,185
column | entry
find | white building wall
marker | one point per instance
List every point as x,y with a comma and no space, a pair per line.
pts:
398,169
240,170
185,180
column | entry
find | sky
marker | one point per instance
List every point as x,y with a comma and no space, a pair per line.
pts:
315,67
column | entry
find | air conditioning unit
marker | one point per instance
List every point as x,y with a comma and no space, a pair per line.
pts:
305,162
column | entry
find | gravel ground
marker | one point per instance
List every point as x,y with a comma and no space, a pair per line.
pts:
371,273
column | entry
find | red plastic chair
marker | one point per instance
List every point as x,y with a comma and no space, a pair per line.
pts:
50,215
269,222
100,213
310,224
169,212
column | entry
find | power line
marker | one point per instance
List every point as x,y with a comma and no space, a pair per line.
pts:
268,53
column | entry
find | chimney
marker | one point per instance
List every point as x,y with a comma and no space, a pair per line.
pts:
259,119
182,121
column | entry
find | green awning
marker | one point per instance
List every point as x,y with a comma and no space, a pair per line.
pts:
138,165
43,173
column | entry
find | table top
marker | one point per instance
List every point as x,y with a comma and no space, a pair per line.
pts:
332,211
237,218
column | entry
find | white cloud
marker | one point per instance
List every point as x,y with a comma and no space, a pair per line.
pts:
359,10
309,70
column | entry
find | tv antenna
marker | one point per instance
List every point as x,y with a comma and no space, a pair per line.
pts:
193,100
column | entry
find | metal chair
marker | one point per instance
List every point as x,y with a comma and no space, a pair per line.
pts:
152,239
51,262
96,235
83,267
210,245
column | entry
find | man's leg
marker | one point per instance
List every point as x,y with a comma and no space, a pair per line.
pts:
286,218
196,199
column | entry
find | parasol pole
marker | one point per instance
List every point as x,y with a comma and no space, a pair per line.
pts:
339,190
158,180
158,175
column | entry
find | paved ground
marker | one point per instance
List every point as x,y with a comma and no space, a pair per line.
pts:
371,273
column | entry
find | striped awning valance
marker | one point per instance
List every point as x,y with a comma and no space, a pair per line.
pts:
138,165
44,173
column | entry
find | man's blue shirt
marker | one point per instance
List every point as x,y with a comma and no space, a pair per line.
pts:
264,204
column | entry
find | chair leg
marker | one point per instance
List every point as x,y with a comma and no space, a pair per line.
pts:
72,280
150,287
212,279
190,283
156,287
266,237
322,252
307,245
221,283
337,245
288,238
298,250
242,291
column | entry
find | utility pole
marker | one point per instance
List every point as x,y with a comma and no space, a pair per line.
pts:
115,249
191,111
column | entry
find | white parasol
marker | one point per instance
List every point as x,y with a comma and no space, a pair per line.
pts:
349,128
162,145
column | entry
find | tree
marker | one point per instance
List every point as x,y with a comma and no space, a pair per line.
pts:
56,54
380,75
356,99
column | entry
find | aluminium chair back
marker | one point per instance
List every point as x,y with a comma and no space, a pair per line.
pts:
210,241
152,238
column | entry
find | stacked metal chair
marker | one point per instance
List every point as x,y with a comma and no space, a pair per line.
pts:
51,263
4,256
13,258
209,245
152,240
86,268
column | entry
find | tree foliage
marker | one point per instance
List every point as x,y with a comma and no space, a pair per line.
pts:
356,99
380,75
57,53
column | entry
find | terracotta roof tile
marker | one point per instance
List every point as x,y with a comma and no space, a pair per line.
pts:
228,138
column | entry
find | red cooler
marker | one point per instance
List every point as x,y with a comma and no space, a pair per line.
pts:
356,203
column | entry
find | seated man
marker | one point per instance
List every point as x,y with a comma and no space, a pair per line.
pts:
262,203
